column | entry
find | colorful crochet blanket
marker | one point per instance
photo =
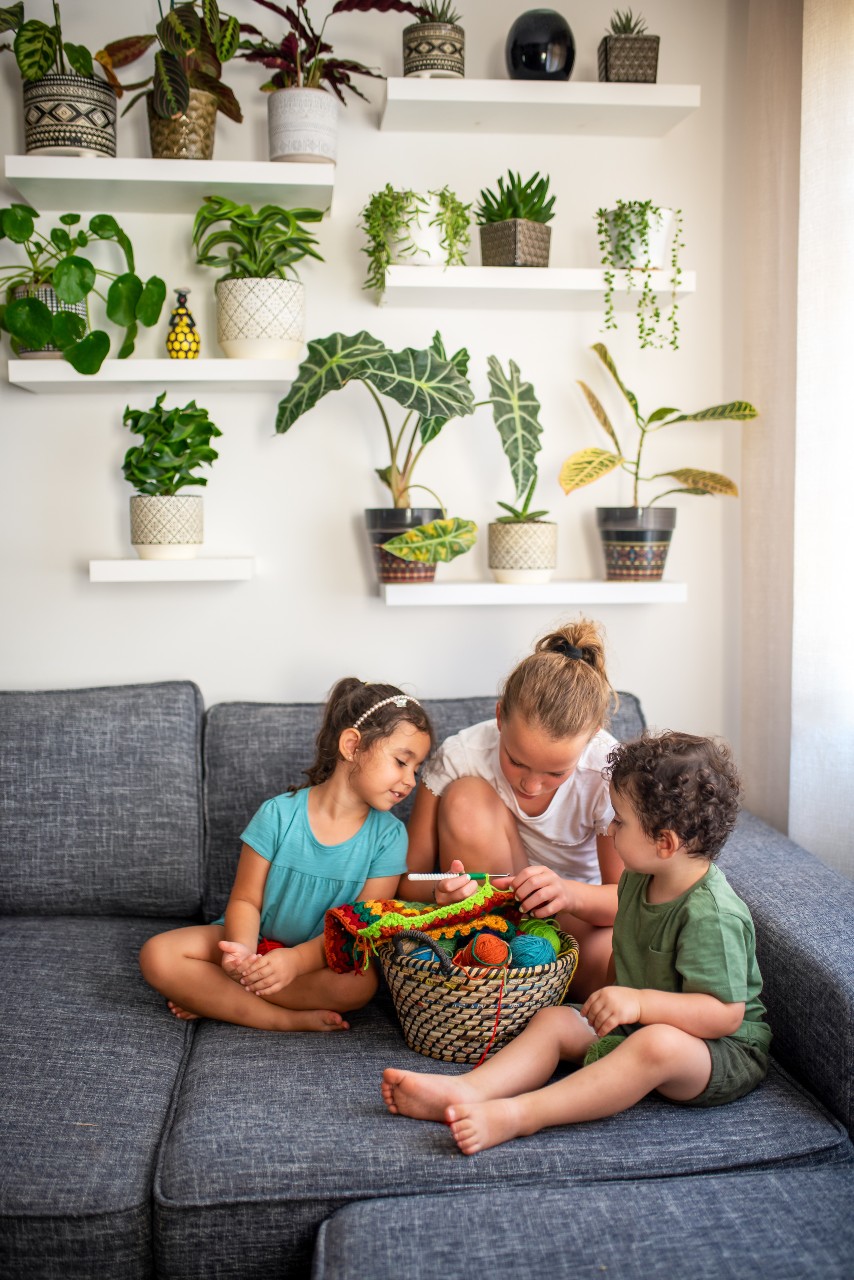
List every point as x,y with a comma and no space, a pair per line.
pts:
353,932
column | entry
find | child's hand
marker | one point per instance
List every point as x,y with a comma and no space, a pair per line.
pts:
542,892
611,1007
234,956
457,887
265,975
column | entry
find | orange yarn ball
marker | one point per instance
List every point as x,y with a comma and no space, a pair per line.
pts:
485,950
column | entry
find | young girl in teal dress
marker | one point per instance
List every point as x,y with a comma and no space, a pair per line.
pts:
331,841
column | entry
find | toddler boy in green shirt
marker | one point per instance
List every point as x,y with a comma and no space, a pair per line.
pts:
683,1016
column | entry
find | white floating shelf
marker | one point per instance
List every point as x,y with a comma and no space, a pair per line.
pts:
58,377
232,569
163,186
551,593
543,287
536,106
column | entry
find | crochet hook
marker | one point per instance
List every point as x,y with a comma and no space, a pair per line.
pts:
449,875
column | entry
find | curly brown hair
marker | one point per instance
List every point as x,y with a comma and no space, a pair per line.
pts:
349,700
681,783
563,688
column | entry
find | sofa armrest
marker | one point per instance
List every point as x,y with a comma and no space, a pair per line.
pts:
804,917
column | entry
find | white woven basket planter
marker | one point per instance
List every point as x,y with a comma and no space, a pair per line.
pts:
260,319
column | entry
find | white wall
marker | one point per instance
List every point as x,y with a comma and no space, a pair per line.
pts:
312,613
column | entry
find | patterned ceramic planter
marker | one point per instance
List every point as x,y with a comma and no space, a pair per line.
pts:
434,50
515,243
166,527
45,293
384,523
635,541
523,551
629,58
260,319
69,115
303,126
659,237
190,136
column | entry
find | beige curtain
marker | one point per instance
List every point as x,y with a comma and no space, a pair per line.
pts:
798,463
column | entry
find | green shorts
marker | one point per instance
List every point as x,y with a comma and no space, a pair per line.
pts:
737,1068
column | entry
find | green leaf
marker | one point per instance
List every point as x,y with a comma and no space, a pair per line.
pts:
67,327
658,415
30,321
60,237
602,352
701,482
69,219
419,381
151,300
434,543
105,227
586,466
73,279
210,17
170,90
225,99
429,428
80,59
89,354
123,296
516,410
329,365
735,411
18,222
120,53
228,39
601,416
35,49
12,16
180,31
126,349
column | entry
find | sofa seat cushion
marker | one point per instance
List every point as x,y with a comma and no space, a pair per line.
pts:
101,801
89,1059
790,1224
271,1133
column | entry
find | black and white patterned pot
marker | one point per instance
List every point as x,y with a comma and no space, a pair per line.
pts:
434,50
260,319
166,527
522,551
45,293
69,115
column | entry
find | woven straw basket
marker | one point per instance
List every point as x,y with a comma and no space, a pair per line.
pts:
467,1014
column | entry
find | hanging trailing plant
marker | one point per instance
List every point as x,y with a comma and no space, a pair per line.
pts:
387,221
624,244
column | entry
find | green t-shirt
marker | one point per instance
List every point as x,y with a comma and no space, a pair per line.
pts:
702,941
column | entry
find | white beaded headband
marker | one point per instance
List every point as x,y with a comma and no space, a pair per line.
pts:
399,700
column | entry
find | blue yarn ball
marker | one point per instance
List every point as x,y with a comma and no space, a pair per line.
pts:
528,950
423,953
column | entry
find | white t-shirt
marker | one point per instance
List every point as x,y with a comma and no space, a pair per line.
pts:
564,837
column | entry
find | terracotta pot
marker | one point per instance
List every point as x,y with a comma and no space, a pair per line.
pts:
635,541
69,115
191,136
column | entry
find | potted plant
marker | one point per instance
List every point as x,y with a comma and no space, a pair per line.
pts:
513,222
432,389
68,110
640,238
434,47
635,539
47,297
626,52
522,545
165,523
260,300
185,89
406,226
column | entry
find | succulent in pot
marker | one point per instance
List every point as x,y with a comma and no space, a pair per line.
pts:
636,538
260,299
522,545
432,389
185,89
68,109
431,229
626,52
642,239
47,296
434,47
167,524
513,222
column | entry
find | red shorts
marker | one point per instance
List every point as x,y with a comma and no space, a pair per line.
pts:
267,944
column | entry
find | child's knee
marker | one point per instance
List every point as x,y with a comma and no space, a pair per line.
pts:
658,1044
152,958
357,989
470,808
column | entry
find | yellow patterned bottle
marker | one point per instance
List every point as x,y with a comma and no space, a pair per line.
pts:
183,341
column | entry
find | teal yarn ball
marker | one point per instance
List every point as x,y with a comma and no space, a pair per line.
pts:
528,950
542,929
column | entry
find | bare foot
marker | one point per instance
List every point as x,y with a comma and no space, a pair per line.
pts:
478,1125
316,1020
422,1095
183,1014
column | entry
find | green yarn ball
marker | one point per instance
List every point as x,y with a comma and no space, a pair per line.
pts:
542,929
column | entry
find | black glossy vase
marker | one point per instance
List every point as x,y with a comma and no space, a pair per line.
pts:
540,46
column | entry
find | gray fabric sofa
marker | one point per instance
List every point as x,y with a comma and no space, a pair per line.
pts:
136,1146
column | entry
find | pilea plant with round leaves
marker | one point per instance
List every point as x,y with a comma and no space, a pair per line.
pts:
175,443
57,259
623,234
39,47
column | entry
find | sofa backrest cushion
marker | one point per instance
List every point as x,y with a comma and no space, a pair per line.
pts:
101,801
256,750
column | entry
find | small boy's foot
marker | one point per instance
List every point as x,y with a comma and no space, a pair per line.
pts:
183,1014
478,1125
316,1020
421,1095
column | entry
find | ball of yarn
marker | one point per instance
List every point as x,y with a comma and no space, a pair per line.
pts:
485,950
542,929
528,950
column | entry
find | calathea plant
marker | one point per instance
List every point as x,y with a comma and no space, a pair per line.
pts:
39,47
431,389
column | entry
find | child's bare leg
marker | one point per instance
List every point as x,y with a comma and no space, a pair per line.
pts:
658,1057
595,945
325,989
525,1063
185,966
475,825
